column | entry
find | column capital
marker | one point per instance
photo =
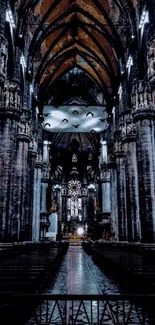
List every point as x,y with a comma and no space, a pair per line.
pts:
144,113
111,161
129,138
118,151
23,137
119,154
129,132
105,176
46,171
24,123
38,165
10,103
141,96
32,153
33,148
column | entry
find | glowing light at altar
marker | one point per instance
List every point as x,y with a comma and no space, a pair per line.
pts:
80,231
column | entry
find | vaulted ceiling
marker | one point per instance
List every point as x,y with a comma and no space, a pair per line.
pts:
74,33
74,52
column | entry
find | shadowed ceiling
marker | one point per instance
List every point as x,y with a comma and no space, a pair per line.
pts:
74,33
75,53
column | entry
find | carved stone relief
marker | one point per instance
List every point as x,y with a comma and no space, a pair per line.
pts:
3,59
24,123
151,61
141,95
11,95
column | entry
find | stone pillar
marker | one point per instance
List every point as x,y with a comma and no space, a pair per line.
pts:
36,202
22,177
90,213
105,186
121,188
144,116
59,202
84,207
64,209
64,205
45,200
32,160
9,116
131,174
113,196
45,177
105,181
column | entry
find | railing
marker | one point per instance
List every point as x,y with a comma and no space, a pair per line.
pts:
78,309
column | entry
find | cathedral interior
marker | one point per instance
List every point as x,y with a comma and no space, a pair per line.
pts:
77,129
77,119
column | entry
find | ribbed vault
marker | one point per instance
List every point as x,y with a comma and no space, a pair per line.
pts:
74,33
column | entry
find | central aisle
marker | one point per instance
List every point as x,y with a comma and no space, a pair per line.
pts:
79,275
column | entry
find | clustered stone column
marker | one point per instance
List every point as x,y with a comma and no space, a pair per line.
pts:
144,116
21,177
36,200
131,173
134,175
59,202
9,117
121,188
105,181
90,205
64,206
45,177
84,204
113,196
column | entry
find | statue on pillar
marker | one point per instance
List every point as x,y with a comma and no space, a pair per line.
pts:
151,61
3,59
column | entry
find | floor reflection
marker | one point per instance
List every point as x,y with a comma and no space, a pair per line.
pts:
79,275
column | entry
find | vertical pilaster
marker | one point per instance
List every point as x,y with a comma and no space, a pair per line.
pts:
146,168
36,202
90,205
84,207
121,187
45,177
9,116
59,202
131,174
105,181
114,200
22,176
32,160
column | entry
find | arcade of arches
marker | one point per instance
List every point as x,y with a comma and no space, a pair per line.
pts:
77,112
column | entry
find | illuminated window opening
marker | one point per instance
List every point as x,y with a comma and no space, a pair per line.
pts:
129,63
143,20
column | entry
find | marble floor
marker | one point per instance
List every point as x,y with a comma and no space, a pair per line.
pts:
79,275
